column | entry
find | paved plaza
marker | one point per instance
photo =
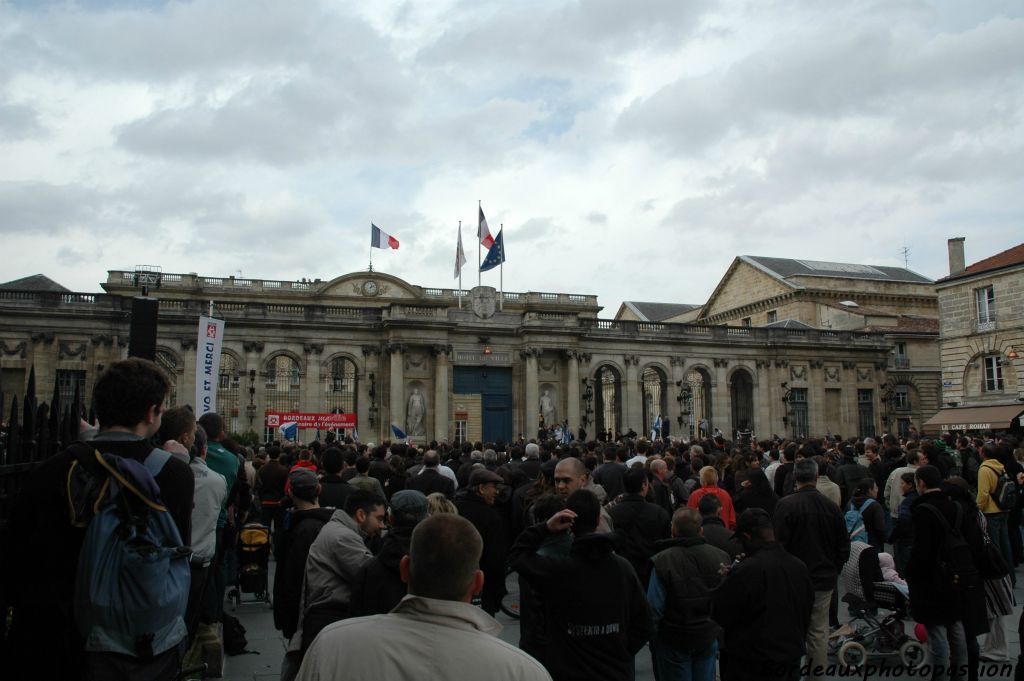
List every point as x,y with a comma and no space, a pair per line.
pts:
268,642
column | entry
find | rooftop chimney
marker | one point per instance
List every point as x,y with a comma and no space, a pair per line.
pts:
956,255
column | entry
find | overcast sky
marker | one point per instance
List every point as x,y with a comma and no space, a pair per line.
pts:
631,149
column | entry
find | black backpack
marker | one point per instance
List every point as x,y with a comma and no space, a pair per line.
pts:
1006,492
956,569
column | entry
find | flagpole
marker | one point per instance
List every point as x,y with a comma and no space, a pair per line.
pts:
501,270
479,209
371,246
459,295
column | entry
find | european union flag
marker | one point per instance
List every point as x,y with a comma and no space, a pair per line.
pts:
398,432
496,255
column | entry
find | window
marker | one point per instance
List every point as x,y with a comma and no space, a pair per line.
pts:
866,412
71,383
461,430
901,398
798,410
745,322
985,301
993,374
899,358
773,316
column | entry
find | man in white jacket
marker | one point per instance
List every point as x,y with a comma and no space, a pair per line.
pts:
439,634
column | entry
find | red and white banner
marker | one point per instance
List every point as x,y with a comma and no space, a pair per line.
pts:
309,420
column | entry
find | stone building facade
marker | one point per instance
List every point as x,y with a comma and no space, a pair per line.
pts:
765,292
442,363
981,312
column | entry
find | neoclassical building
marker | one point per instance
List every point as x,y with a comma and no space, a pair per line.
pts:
442,363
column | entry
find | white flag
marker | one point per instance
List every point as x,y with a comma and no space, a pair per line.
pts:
211,337
460,255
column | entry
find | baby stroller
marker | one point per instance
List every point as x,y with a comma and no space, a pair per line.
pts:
253,560
878,609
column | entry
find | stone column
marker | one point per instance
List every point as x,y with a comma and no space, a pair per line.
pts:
815,399
187,379
721,409
572,392
762,424
532,391
632,409
396,393
675,409
253,351
368,395
312,381
441,392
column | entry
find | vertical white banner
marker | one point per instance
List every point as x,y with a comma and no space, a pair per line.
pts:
211,337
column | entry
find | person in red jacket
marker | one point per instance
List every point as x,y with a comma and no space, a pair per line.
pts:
709,485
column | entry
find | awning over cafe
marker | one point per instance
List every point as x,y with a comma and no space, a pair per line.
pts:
995,417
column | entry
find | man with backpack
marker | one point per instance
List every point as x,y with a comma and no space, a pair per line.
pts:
58,629
997,494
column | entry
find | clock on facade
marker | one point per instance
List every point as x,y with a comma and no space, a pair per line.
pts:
370,288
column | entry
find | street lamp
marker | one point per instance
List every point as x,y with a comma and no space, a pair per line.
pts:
250,409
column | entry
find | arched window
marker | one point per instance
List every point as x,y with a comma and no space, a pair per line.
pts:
227,391
283,387
700,415
341,387
608,399
168,361
654,396
741,396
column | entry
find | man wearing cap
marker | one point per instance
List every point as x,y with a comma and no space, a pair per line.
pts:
433,633
477,506
381,585
764,606
304,521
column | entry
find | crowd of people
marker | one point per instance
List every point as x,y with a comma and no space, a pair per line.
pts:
720,558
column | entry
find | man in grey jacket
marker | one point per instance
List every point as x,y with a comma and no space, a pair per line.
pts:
440,634
336,560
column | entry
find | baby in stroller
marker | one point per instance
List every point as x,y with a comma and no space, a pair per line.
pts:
878,609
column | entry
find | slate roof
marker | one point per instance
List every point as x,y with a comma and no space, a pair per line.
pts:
783,268
1008,258
35,282
656,312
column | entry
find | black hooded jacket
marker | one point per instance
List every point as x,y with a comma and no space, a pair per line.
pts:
597,615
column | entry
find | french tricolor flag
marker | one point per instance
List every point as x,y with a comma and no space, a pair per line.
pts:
483,233
381,239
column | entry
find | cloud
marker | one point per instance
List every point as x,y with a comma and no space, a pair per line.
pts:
18,122
875,73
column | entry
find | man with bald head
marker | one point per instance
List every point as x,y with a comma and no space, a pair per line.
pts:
440,634
570,475
430,478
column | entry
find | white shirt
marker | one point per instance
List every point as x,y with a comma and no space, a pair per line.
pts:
211,488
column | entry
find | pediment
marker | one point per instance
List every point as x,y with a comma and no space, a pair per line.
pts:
368,286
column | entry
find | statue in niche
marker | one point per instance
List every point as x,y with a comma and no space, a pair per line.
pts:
547,407
415,413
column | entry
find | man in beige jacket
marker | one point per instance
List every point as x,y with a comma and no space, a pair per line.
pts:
434,633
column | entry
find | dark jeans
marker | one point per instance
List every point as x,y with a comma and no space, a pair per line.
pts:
195,598
118,667
999,533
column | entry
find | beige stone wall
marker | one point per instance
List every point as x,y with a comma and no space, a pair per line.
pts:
963,344
744,285
471,406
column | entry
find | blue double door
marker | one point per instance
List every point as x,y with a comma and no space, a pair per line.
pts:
494,385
